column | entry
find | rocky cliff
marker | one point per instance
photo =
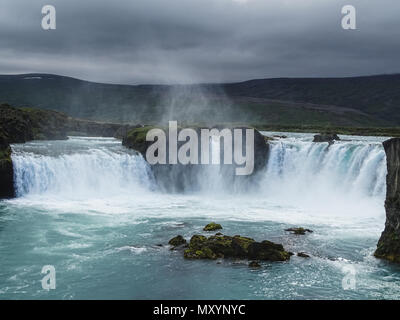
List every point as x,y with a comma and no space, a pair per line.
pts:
193,177
389,243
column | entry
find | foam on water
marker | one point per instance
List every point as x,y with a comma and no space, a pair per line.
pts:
92,208
348,177
304,181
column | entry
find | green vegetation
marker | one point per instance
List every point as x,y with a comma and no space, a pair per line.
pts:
349,102
177,241
222,246
212,227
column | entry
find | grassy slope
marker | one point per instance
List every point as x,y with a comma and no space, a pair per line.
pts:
352,102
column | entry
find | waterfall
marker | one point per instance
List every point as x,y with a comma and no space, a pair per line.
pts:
298,172
78,171
346,173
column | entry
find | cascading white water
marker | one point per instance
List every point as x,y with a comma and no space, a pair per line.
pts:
298,173
307,174
80,169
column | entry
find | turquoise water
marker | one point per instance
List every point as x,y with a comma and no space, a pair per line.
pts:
91,209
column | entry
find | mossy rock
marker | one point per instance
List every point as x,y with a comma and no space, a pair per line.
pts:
177,241
267,250
136,139
205,253
222,246
212,227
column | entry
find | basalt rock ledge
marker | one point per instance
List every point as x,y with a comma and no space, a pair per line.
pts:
389,244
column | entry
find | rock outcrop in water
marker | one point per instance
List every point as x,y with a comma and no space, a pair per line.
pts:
326,137
389,244
299,231
179,178
221,246
212,227
177,241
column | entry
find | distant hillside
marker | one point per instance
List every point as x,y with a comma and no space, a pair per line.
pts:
362,101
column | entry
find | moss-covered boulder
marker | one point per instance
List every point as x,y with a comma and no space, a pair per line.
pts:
212,227
177,241
267,250
222,246
136,139
299,231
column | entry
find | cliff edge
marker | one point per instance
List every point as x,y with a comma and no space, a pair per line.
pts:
389,244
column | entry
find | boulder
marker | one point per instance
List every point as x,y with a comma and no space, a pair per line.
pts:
299,231
177,241
221,246
326,137
303,255
267,250
212,227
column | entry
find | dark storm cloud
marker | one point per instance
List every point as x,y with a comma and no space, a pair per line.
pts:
199,40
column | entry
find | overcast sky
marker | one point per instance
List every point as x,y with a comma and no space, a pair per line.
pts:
181,41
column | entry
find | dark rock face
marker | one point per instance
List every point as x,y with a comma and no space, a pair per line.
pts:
267,250
389,244
221,246
303,255
299,231
6,172
326,137
180,178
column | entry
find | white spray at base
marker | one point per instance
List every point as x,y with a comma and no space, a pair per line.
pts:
347,176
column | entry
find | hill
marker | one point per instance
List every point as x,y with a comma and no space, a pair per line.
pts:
348,102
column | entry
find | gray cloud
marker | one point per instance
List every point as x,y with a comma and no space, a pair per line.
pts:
159,41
